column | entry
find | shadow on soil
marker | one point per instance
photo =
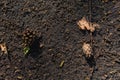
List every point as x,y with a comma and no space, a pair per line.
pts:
91,61
35,49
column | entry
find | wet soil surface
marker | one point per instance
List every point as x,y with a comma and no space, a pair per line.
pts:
62,40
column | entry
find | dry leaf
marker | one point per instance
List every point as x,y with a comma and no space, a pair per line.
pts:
84,24
3,48
87,50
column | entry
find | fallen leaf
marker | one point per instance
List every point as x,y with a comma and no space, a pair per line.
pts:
3,48
84,24
87,49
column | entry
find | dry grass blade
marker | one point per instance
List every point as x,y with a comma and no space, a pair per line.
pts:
84,24
62,63
3,48
87,50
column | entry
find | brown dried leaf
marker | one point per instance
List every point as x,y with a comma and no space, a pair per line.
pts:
87,50
3,48
84,24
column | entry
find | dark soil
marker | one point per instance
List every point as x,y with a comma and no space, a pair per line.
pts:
62,40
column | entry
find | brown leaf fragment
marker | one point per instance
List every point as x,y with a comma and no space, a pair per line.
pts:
87,49
3,48
84,24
